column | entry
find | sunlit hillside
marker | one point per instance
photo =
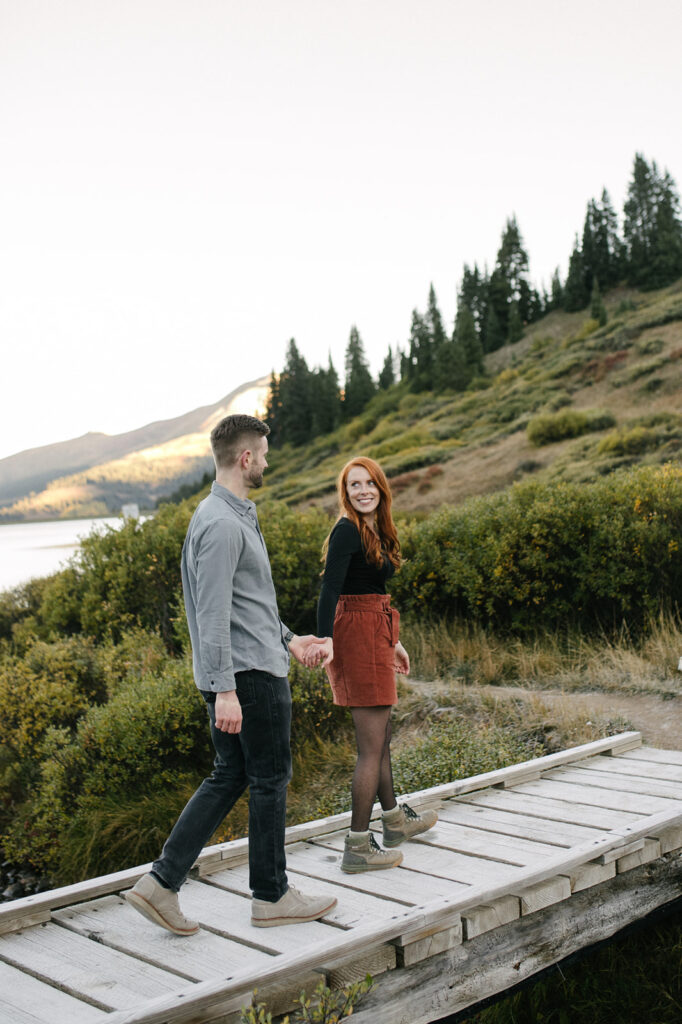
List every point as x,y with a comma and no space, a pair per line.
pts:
571,400
153,462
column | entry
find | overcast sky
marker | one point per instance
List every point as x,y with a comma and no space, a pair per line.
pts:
186,184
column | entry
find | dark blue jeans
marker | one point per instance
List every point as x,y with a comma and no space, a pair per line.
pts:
258,757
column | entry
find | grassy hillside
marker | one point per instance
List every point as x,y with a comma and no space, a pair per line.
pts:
570,401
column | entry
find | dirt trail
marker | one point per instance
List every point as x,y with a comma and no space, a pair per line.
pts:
658,719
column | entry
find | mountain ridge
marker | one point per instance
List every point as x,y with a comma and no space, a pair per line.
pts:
87,475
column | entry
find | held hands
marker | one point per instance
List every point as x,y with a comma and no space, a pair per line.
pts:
402,660
228,712
312,650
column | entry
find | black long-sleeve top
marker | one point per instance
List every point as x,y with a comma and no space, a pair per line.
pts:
347,571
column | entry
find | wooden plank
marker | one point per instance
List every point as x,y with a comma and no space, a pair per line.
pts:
610,799
613,855
594,873
650,851
506,849
554,810
236,850
610,744
669,838
655,754
348,970
108,920
430,860
229,915
186,1004
640,769
508,823
353,907
410,890
457,980
487,916
588,775
108,979
543,894
25,1000
412,952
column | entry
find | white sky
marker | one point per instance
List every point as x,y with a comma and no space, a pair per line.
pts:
186,184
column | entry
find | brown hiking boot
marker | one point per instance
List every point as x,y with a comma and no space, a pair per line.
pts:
403,823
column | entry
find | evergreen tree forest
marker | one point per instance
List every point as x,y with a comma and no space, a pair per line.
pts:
493,309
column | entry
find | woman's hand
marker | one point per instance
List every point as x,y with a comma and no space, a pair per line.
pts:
312,650
402,660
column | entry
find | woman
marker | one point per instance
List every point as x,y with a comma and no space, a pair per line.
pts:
361,553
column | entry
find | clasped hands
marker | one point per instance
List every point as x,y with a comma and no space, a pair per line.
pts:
312,650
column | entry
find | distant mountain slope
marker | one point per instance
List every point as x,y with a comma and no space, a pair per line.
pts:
97,473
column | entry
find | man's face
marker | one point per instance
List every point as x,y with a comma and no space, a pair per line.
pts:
258,463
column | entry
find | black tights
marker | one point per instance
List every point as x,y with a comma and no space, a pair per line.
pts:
372,776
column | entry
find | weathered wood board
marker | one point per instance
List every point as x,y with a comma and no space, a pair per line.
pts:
500,887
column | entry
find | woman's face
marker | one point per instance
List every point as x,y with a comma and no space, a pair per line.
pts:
362,491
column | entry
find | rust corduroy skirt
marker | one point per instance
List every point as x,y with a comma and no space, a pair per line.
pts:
362,673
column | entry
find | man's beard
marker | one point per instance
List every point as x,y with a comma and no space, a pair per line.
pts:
255,478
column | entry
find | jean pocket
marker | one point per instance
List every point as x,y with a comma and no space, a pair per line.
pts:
246,689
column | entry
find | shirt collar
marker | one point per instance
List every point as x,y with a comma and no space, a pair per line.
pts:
243,506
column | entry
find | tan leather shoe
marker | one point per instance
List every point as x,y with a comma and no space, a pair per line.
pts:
160,905
292,908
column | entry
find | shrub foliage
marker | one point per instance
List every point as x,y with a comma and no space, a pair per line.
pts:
546,555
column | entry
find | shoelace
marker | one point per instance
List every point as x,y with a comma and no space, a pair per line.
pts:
375,848
409,813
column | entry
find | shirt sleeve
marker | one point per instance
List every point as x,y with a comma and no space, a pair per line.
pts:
344,541
217,555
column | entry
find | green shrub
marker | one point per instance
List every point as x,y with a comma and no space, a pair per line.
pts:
122,578
455,750
151,734
314,714
551,427
294,542
19,604
544,556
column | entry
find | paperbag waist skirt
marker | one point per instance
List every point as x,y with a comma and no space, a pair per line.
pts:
366,631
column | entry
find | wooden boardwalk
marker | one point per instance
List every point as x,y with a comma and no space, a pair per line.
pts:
526,865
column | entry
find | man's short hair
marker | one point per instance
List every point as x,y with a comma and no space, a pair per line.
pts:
233,435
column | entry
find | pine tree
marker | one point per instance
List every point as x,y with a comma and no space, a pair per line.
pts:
587,249
499,299
601,244
359,386
512,263
557,298
514,325
652,230
295,394
387,375
450,369
575,293
493,334
465,338
421,353
325,400
597,307
273,410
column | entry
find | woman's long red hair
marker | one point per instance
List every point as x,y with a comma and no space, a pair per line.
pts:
386,542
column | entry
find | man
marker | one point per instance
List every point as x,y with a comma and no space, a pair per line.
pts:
240,660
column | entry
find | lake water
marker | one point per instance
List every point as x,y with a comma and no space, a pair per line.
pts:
38,549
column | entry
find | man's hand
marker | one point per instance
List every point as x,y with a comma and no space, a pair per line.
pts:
312,650
402,660
228,711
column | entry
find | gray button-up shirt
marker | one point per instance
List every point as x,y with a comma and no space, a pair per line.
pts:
229,595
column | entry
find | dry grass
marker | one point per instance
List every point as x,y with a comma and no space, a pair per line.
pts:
469,655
